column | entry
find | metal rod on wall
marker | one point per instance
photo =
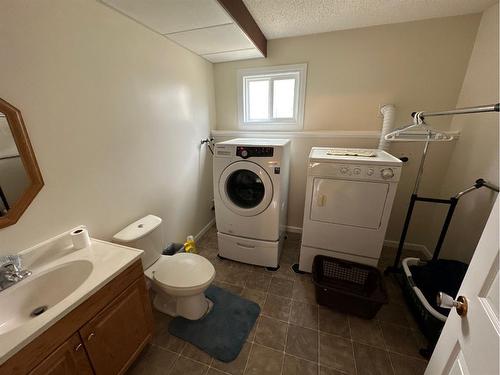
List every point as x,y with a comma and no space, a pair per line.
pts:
461,111
452,201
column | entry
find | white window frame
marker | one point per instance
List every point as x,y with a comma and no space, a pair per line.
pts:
244,76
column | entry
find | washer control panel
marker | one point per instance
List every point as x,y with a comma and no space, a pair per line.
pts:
356,172
250,151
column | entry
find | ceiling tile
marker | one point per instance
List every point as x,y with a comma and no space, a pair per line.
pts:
252,53
214,39
168,16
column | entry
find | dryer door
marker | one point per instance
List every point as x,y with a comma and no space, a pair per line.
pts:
245,188
353,203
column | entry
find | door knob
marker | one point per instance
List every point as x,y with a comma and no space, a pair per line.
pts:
447,302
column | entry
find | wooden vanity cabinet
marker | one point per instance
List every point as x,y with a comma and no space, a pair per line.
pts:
102,336
115,337
69,358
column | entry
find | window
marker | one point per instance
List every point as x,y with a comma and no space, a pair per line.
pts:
272,98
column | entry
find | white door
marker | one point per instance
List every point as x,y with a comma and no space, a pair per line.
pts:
470,344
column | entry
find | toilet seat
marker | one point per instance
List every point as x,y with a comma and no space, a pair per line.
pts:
183,272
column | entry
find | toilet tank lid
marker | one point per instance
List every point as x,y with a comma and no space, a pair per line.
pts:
138,229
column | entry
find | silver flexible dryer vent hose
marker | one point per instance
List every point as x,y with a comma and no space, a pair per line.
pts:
389,113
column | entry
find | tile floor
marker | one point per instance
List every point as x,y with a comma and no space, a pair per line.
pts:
294,335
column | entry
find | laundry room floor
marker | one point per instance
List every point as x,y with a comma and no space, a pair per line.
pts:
294,335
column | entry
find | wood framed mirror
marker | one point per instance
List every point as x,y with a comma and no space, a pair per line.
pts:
20,177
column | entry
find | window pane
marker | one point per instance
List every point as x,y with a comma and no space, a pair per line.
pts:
258,100
284,98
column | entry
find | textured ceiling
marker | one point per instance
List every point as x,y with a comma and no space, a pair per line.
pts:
284,18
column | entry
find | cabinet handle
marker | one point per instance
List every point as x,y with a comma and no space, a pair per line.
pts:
91,336
78,347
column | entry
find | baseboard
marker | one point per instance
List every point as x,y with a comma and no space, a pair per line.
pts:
292,229
410,246
204,229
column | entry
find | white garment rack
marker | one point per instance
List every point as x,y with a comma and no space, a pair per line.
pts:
408,133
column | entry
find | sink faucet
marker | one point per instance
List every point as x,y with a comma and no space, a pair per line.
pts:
11,271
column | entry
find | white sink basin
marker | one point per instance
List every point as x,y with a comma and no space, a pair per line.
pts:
38,293
63,277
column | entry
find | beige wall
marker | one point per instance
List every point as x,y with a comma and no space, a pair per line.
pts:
115,113
415,65
476,153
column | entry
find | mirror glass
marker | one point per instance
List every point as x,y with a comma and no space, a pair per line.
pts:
14,179
20,177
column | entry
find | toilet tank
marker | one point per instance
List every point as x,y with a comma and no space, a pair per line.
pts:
144,234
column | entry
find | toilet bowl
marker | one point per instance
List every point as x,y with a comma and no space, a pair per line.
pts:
179,281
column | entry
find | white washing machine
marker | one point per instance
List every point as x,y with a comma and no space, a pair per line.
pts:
251,194
349,198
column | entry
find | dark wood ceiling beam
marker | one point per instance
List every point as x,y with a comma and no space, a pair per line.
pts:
240,14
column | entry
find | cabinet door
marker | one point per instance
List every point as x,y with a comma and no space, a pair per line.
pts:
69,359
116,335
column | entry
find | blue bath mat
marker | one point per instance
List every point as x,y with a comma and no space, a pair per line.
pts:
224,330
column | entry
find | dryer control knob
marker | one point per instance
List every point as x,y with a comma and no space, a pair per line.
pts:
387,173
357,170
244,154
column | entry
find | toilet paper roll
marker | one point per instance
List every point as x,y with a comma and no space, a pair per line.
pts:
80,238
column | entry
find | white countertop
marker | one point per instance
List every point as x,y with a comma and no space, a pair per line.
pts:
108,261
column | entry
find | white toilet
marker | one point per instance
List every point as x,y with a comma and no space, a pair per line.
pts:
179,280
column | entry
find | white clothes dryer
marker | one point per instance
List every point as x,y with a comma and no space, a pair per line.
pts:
349,196
251,196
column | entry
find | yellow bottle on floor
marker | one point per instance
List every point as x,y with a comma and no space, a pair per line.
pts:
190,245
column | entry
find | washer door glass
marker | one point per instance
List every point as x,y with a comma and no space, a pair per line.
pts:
245,188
